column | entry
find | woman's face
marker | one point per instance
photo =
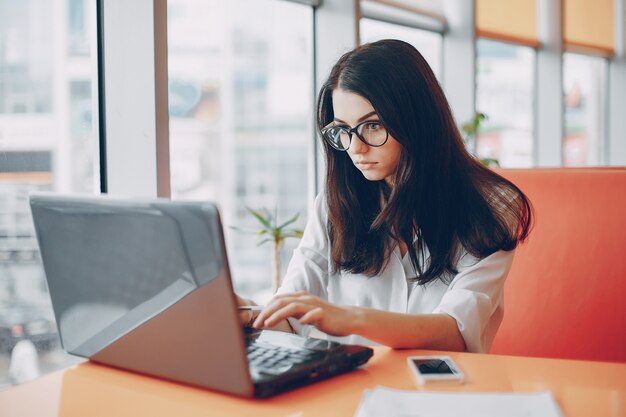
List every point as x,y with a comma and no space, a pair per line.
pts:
375,163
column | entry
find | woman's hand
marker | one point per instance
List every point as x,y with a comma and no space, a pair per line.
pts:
330,318
246,316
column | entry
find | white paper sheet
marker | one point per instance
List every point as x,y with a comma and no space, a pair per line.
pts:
397,403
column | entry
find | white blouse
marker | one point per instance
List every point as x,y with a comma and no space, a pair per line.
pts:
474,297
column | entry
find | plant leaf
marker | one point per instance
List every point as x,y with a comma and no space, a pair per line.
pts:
267,239
293,233
490,162
259,216
242,230
288,222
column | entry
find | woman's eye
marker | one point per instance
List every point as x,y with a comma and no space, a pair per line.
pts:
373,126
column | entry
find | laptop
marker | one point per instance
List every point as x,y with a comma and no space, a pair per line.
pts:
144,285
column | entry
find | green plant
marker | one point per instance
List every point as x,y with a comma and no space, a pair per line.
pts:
470,130
272,231
471,127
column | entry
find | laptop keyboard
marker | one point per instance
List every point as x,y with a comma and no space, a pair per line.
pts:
275,359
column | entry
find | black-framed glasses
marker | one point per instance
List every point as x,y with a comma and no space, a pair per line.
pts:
371,132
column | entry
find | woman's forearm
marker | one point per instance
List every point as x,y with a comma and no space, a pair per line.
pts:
418,331
397,330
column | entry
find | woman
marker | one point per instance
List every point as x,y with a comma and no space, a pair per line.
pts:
411,241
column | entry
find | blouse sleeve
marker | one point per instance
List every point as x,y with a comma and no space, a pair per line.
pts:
308,267
475,299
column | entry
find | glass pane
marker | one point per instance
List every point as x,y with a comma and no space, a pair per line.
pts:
505,84
241,95
429,44
584,86
47,142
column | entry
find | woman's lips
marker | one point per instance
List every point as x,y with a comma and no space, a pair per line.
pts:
365,165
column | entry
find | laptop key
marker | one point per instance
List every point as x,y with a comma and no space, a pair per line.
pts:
274,360
275,370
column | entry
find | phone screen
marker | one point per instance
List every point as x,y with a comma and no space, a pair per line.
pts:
432,366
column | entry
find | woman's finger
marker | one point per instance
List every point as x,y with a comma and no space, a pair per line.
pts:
294,309
281,301
246,317
274,305
312,316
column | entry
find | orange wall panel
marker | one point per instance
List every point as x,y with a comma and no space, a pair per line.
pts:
564,296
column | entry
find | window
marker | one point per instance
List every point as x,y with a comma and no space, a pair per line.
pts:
584,87
47,142
240,97
428,43
504,93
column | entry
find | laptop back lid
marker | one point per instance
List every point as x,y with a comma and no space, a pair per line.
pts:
144,286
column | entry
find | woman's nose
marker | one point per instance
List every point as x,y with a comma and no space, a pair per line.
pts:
357,145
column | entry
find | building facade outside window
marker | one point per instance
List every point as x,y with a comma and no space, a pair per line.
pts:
584,90
505,84
47,143
241,97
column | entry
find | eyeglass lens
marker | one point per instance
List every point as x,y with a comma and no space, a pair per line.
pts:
372,133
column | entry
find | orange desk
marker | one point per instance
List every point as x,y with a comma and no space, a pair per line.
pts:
581,389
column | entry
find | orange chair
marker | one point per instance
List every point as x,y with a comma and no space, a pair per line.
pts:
565,296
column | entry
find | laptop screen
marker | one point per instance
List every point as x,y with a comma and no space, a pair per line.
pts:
115,264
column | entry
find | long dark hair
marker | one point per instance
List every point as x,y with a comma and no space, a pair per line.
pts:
441,193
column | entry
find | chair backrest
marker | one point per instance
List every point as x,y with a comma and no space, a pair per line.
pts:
565,296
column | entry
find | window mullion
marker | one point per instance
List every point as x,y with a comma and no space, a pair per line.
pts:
133,78
616,143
